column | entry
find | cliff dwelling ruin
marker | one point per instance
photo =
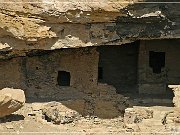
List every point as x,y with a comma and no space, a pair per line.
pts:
142,67
96,64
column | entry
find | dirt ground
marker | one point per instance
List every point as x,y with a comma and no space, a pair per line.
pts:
105,113
30,120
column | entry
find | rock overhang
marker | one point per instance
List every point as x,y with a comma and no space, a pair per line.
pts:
54,24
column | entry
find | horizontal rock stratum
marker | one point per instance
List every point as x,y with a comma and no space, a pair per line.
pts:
11,100
54,24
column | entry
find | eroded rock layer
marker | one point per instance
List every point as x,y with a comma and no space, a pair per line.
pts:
54,24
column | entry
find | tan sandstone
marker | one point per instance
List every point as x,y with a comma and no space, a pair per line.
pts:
11,100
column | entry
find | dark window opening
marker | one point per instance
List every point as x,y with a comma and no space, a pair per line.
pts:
100,73
37,68
47,118
63,78
156,61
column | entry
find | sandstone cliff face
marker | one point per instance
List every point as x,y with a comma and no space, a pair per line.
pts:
53,24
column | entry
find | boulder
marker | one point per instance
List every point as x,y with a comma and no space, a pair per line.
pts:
57,113
137,114
172,117
176,91
11,100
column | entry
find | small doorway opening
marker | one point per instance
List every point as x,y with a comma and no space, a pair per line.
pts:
156,61
63,78
100,73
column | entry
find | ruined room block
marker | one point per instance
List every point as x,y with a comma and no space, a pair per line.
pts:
61,70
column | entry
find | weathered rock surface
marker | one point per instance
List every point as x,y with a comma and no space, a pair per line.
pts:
148,119
176,90
11,100
59,114
53,24
136,115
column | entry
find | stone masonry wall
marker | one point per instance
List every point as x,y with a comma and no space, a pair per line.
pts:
42,71
150,82
38,74
10,73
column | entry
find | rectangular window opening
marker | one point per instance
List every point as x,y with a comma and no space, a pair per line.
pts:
156,61
63,78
